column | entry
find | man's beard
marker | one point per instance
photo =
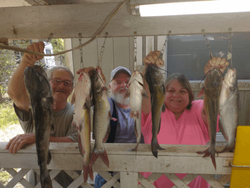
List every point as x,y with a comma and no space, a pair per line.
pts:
119,98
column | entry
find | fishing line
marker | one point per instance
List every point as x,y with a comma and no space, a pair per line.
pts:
99,63
207,43
97,33
230,48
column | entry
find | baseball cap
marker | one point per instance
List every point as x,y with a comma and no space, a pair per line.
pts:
119,69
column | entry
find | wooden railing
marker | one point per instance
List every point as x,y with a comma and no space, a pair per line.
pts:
175,159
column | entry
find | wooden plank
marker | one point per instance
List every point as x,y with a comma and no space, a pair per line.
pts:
66,21
129,179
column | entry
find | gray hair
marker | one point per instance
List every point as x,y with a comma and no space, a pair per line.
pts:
184,82
51,70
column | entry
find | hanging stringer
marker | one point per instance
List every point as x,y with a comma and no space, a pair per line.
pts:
99,63
230,48
135,51
81,53
207,42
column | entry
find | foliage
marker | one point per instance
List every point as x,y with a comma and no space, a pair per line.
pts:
4,177
58,46
7,115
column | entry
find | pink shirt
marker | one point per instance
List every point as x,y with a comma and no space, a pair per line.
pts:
189,129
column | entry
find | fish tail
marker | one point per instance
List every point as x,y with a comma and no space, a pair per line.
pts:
209,152
154,146
45,179
104,158
87,170
93,158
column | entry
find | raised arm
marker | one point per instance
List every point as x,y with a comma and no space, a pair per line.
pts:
16,88
151,58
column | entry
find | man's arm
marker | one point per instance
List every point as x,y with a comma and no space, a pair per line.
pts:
19,141
16,88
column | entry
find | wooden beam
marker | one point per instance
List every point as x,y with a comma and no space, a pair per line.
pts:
66,21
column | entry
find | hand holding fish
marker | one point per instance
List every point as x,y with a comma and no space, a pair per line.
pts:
216,62
31,58
153,58
19,141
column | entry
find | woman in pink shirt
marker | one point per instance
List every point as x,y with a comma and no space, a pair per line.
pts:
184,120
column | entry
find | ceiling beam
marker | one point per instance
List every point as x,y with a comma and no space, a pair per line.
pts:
67,21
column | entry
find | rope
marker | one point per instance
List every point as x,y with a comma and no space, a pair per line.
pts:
97,33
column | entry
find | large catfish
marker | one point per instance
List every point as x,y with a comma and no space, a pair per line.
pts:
101,116
39,91
81,119
135,94
157,90
229,103
212,89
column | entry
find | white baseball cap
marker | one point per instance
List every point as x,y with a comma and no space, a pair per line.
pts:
119,69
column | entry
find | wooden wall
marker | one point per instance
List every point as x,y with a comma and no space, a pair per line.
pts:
120,51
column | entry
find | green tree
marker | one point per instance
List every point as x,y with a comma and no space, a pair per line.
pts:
58,46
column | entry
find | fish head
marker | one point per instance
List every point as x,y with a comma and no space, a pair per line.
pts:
213,82
231,77
153,73
35,79
136,76
97,80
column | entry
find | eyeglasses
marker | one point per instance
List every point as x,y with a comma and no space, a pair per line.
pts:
57,82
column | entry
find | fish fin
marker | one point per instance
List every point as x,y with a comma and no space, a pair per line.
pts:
163,108
88,103
73,99
45,180
201,93
144,94
49,158
208,153
52,128
93,158
154,149
112,118
127,94
80,145
104,157
134,114
87,170
107,135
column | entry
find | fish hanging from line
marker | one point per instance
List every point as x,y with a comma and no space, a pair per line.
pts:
157,90
229,107
211,89
81,119
135,94
39,91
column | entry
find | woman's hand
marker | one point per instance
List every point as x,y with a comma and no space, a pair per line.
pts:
152,58
216,62
20,141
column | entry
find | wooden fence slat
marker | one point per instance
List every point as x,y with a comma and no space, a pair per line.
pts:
213,182
144,181
224,179
77,182
112,180
153,177
17,177
189,178
179,183
73,174
1,185
129,179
